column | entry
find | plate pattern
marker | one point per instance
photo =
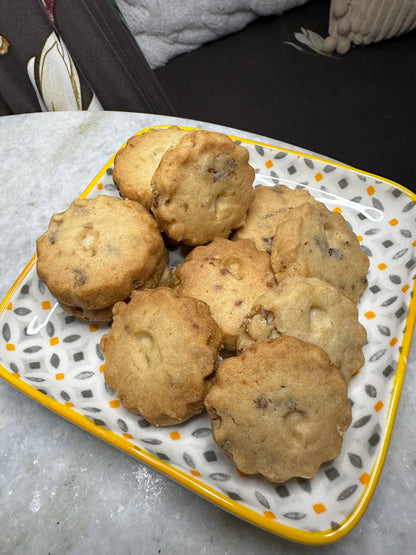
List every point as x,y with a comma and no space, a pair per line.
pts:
59,356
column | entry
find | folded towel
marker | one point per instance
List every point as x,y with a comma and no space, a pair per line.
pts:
166,28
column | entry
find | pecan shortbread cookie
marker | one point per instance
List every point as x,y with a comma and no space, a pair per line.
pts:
161,277
316,242
311,310
229,276
97,251
280,409
269,208
159,353
202,188
136,162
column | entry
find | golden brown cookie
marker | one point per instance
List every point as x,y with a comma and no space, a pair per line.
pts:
280,409
162,277
268,209
136,162
229,276
311,310
97,251
159,353
202,188
316,242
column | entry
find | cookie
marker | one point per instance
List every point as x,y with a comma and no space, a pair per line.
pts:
229,276
162,277
136,162
280,409
316,242
311,310
202,188
268,209
97,251
159,353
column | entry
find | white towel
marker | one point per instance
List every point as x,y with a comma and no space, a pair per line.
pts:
165,28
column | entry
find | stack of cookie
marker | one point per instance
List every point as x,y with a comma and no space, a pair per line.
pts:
259,324
97,251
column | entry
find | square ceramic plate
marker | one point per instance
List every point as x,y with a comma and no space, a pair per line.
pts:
55,359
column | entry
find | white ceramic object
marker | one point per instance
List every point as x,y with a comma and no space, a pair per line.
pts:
368,21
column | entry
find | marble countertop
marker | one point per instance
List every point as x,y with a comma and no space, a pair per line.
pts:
64,490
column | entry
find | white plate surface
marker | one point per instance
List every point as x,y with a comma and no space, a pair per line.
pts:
55,358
